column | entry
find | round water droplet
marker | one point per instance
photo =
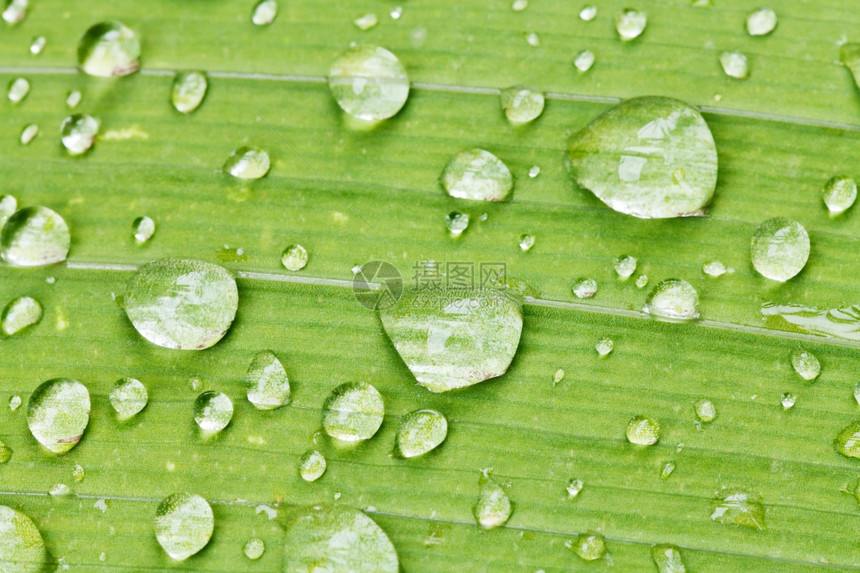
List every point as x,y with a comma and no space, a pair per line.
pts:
60,490
584,61
74,99
419,432
366,22
312,466
585,288
184,304
353,412
16,11
735,65
706,411
294,258
264,12
189,89
456,222
588,13
14,403
805,364
589,546
848,441
183,525
714,269
478,175
19,314
337,539
761,22
574,488
631,157
128,397
254,548
18,89
527,242
641,281
625,266
79,473
643,431
558,376
213,411
667,559
8,206
78,132
788,401
29,133
674,300
630,24
493,508
58,413
22,549
267,382
5,456
37,46
396,12
534,171
522,104
740,509
779,249
839,194
109,49
519,5
604,346
143,228
369,82
247,163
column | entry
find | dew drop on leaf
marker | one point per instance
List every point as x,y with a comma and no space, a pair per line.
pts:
268,386
848,441
20,313
667,559
312,466
584,60
839,194
526,242
521,104
673,300
761,22
457,223
189,89
788,401
478,175
78,132
16,11
37,46
625,266
734,65
109,49
706,411
585,288
73,99
534,171
5,453
588,13
667,470
574,488
532,39
805,364
29,133
18,90
213,411
369,82
630,24
641,281
58,413
420,432
558,376
589,546
14,403
79,473
519,5
493,508
604,346
247,162
265,12
714,268
183,525
366,22
60,490
22,549
8,206
353,412
142,228
643,431
294,258
254,548
128,397
740,509
779,248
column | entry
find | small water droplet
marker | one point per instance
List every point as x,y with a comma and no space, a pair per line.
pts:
805,364
673,300
779,248
526,242
37,46
396,12
213,411
29,133
521,104
534,171
369,82
254,548
184,304
533,39
589,546
78,132
584,60
788,401
857,393
294,258
585,288
493,508
5,456
519,5
420,432
848,441
268,386
839,194
128,397
761,22
574,487
643,431
59,490
735,65
740,509
264,12
477,174
630,24
667,559
22,549
353,412
183,525
625,266
109,49
641,281
14,403
19,314
667,470
714,268
142,228
247,162
558,376
189,89
604,346
16,11
456,222
706,411
79,473
312,466
8,206
366,22
74,99
18,89
58,413
588,13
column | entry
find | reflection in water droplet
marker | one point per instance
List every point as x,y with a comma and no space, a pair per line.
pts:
213,411
456,222
294,258
588,13
584,60
574,487
366,22
189,89
34,237
625,266
247,162
419,432
589,546
143,228
183,525
37,46
604,346
478,175
735,65
18,89
254,548
268,386
779,248
29,133
312,466
585,288
643,431
5,456
526,242
714,268
839,194
58,413
264,12
353,412
19,314
805,364
706,411
835,322
16,10
22,549
667,559
78,132
369,82
522,104
788,401
184,304
630,24
493,508
674,300
128,397
761,22
74,99
740,509
109,49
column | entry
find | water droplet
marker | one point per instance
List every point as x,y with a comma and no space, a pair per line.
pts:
37,46
58,413
189,89
706,411
142,228
267,382
761,22
805,364
184,304
247,162
588,13
574,487
735,65
8,206
74,99
14,403
312,466
788,400
533,39
835,322
264,12
19,314
5,456
585,288
641,281
16,11
850,57
369,82
254,547
18,89
469,337
521,104
558,376
667,470
78,132
22,549
456,222
519,5
714,269
604,346
534,171
29,133
779,248
589,546
630,157
419,432
527,242
667,559
109,49
396,12
60,490
478,175
625,266
493,508
213,411
839,194
183,525
79,473
848,441
740,509
128,397
673,300
353,412
643,431
584,60
366,22
294,258
337,538
630,24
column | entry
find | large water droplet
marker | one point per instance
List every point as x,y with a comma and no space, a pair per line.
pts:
247,162
312,466
22,549
264,12
779,248
128,397
667,559
650,157
16,11
706,411
189,89
522,104
419,432
643,431
761,22
630,24
470,337
353,412
184,304
109,49
294,258
589,546
183,525
254,548
18,89
78,132
337,539
740,509
493,508
848,441
19,314
584,60
674,300
58,413
477,174
29,133
456,222
369,82
805,364
585,288
839,194
213,411
735,65
143,228
267,382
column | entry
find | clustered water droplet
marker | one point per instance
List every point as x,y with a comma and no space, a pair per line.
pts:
585,288
761,22
805,364
588,13
254,548
625,266
526,242
574,488
29,133
18,90
668,559
604,346
706,411
584,60
16,11
788,401
741,509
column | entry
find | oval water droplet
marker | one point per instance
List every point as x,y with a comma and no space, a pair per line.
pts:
109,49
213,411
714,268
22,549
60,490
142,228
521,104
254,548
839,194
493,508
589,546
419,432
477,174
641,281
734,65
534,171
625,266
58,413
16,11
574,488
779,249
29,133
532,39
353,412
805,364
37,46
183,525
14,403
264,12
630,24
519,5
558,376
788,401
585,288
267,382
312,466
526,242
189,89
366,22
369,83
848,441
740,509
74,99
18,89
8,206
128,397
456,222
78,132
588,13
584,60
643,431
294,258
673,300
604,346
667,470
631,156
19,314
668,559
706,411
761,22
184,304
247,162
337,539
